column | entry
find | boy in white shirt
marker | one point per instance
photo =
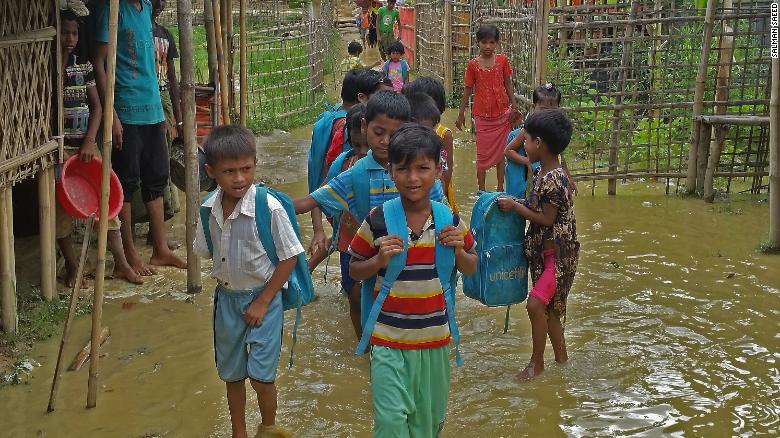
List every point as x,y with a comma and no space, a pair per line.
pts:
247,303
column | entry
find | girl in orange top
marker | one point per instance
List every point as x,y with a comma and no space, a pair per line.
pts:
489,77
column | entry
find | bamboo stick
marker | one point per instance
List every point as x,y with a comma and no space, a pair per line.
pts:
228,35
100,272
243,85
7,265
448,67
211,43
187,71
89,350
30,156
736,120
698,97
29,37
541,13
74,298
703,148
726,49
46,234
224,103
774,157
616,119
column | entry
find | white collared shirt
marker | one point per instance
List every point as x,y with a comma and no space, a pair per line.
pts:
240,261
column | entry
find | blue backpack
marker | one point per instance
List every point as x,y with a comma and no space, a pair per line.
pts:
502,268
404,69
320,141
516,173
299,290
395,219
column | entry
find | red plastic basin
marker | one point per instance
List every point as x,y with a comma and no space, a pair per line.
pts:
79,189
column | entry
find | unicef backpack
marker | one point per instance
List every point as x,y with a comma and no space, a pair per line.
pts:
320,141
395,219
502,268
299,290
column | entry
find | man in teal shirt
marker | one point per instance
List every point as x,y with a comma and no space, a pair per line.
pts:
387,17
139,155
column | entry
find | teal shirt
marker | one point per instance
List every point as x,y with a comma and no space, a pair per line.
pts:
136,94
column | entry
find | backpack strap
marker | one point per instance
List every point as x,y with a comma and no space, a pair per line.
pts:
361,189
395,219
205,214
404,70
445,268
386,68
320,140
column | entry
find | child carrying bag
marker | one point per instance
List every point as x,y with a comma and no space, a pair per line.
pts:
502,268
299,290
320,141
395,219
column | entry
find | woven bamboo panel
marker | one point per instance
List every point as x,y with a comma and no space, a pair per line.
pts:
25,88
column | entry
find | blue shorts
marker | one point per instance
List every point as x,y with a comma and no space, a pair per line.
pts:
347,282
240,350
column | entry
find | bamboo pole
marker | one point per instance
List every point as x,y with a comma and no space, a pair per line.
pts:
211,43
541,13
242,100
46,235
726,49
448,66
8,313
616,115
100,272
224,103
187,86
74,298
698,97
228,36
774,157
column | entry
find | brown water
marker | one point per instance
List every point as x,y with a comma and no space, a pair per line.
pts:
672,329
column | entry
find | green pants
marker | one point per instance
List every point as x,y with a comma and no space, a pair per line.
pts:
409,390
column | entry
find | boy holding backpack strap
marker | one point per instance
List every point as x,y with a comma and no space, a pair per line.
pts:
248,232
409,249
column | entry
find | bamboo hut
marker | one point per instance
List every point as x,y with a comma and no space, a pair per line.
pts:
29,52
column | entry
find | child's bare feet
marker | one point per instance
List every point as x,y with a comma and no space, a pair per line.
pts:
173,245
168,258
140,267
128,274
530,372
69,280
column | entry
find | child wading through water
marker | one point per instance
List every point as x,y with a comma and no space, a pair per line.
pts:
435,89
489,77
396,69
82,112
551,242
545,97
387,16
248,315
410,342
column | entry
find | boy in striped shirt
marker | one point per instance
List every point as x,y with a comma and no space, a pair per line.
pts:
410,342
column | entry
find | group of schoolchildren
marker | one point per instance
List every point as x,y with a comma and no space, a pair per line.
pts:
146,115
380,169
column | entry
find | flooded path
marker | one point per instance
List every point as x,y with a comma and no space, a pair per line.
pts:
672,329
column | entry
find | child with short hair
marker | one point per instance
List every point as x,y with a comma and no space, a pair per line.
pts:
410,340
248,310
489,77
363,22
551,241
424,110
396,69
435,89
387,17
354,49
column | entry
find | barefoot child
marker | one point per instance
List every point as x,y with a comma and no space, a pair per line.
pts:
81,113
551,242
396,69
489,77
410,340
248,313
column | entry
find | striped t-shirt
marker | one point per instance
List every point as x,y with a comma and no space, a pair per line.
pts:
414,314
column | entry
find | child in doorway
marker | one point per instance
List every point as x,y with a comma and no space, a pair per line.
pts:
248,313
81,114
363,22
387,17
551,242
396,69
489,77
517,164
435,89
410,340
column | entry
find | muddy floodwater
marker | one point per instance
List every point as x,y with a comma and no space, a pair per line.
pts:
672,330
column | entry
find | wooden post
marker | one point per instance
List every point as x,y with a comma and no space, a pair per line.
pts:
242,101
100,271
7,264
416,36
187,86
625,62
448,66
224,103
211,43
774,157
726,50
227,10
541,13
46,236
698,97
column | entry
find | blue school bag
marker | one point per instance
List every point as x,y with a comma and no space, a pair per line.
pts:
502,268
299,290
516,173
320,141
395,219
404,69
